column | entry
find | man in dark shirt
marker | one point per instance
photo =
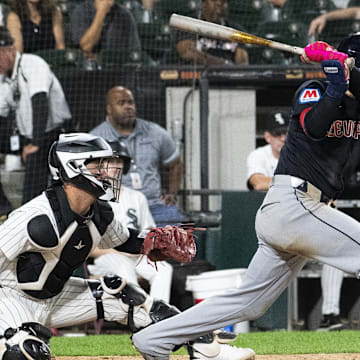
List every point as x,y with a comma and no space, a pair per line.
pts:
205,51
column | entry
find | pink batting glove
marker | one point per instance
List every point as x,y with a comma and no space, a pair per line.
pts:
320,51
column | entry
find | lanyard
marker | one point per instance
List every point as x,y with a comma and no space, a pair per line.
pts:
131,149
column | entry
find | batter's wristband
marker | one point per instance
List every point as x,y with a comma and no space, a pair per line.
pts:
336,90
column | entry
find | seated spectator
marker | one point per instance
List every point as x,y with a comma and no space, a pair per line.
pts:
261,162
133,211
35,25
205,51
317,25
103,24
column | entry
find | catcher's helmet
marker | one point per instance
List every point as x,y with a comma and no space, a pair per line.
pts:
69,156
351,47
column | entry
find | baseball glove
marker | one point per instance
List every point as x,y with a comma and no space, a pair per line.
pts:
170,242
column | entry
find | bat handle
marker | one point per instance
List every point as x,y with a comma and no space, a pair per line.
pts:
288,48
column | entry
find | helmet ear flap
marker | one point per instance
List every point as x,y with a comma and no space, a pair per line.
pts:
54,162
53,158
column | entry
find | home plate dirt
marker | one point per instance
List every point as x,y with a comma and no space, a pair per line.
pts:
258,357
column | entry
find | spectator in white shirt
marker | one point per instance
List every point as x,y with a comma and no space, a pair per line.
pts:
261,162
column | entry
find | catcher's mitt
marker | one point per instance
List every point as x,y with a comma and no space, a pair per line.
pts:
170,242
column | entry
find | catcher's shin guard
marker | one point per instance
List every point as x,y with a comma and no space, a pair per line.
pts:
27,342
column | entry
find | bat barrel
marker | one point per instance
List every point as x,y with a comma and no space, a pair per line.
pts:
201,27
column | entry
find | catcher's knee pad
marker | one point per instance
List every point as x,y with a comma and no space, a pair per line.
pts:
130,294
27,342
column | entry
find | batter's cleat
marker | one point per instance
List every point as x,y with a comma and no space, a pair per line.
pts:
331,322
227,352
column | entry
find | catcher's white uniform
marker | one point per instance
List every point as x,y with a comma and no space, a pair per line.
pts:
133,211
39,247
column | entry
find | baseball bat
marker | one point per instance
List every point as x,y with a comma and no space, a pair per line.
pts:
221,32
226,33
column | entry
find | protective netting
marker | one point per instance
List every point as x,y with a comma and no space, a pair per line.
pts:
134,46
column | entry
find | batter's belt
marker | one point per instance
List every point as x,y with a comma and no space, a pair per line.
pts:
301,185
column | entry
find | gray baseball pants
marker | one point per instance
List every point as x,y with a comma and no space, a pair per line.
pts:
291,226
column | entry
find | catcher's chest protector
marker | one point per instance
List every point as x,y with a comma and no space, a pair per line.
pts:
42,274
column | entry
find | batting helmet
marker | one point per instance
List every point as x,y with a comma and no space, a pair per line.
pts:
69,156
351,47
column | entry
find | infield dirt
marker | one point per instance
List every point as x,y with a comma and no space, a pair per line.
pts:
258,357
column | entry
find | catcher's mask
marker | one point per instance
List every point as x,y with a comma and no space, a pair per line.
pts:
88,162
351,47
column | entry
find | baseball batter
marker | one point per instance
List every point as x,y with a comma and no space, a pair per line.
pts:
294,222
45,240
261,164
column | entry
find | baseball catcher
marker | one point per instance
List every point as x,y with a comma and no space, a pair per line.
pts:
45,240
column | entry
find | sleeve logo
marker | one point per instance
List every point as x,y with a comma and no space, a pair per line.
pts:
309,95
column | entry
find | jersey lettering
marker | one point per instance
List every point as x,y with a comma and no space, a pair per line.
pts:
344,128
309,95
131,213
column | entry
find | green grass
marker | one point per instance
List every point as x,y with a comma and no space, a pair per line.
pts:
278,342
